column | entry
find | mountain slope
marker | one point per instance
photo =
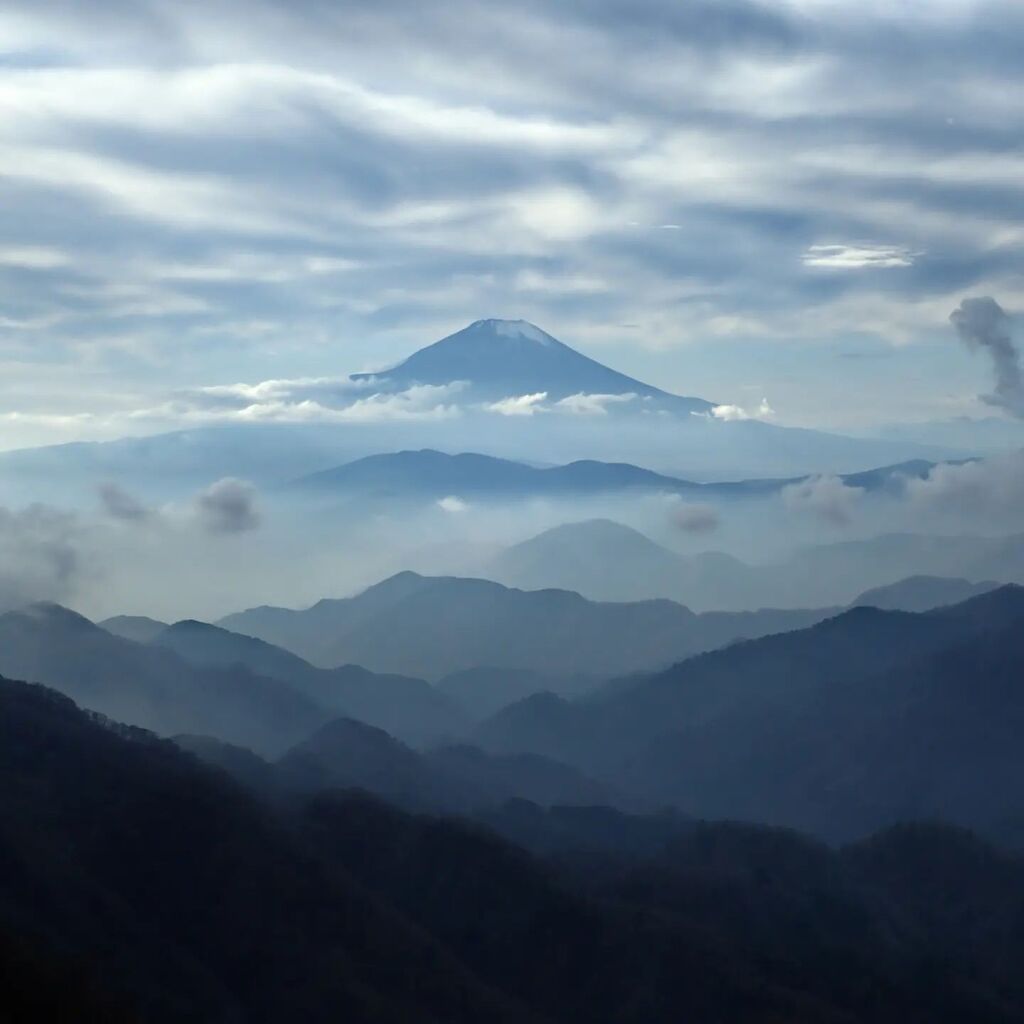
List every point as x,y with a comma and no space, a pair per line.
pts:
346,754
139,628
406,707
485,690
610,562
923,593
152,687
598,558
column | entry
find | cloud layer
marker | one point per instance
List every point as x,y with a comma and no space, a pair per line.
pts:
39,556
264,190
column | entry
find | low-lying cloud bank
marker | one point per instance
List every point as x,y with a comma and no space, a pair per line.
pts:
828,498
227,506
39,556
978,490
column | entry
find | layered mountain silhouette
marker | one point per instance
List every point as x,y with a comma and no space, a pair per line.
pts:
923,593
608,561
138,884
484,690
151,686
604,560
857,722
194,678
139,628
404,706
435,626
346,754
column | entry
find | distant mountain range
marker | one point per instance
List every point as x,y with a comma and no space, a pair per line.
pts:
608,561
864,719
433,474
435,626
923,593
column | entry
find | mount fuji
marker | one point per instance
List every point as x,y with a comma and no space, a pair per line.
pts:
505,358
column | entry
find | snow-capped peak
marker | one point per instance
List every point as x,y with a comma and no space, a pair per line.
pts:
514,329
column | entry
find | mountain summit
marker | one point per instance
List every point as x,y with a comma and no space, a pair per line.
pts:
506,358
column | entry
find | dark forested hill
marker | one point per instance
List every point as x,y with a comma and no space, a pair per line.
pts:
184,897
136,879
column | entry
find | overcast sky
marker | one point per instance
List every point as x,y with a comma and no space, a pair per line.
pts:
727,198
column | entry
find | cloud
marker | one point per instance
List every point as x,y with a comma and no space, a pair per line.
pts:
39,555
971,490
175,184
32,257
983,325
228,506
309,400
826,497
592,405
736,413
519,405
451,503
858,257
695,517
117,503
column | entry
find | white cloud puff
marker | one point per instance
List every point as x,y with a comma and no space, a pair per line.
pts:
993,486
451,503
738,413
519,405
828,498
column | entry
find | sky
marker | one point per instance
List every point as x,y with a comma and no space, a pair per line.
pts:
739,200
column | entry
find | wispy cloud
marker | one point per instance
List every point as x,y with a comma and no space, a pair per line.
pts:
519,405
737,413
858,257
828,498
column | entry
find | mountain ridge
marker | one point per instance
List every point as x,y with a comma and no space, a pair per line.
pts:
434,473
